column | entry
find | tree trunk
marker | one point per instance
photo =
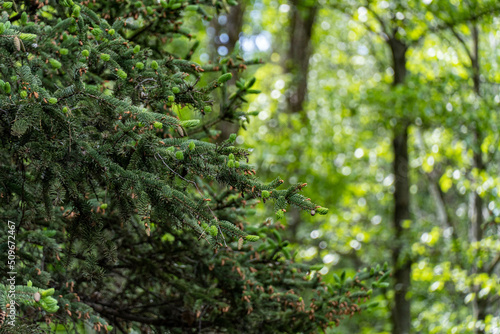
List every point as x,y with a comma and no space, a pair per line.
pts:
479,306
401,316
302,17
476,205
232,28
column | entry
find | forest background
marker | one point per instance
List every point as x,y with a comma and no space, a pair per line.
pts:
389,110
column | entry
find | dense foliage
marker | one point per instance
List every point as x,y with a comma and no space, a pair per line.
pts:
129,215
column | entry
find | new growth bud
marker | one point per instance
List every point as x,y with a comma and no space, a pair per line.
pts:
224,78
252,238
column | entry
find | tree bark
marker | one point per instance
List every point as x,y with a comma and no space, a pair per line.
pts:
401,316
302,18
232,28
479,306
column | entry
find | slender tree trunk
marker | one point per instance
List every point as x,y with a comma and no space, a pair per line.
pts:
401,316
479,306
302,18
476,206
232,28
234,24
476,69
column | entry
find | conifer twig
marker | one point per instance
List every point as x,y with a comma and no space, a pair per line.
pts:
199,191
